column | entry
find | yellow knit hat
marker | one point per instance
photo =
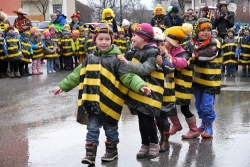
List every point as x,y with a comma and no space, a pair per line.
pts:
159,7
176,34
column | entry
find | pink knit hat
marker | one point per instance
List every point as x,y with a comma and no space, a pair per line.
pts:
46,34
145,31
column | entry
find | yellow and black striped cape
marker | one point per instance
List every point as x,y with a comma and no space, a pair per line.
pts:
14,51
244,44
149,105
37,52
26,46
100,90
229,47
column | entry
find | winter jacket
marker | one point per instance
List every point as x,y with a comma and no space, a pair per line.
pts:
101,90
12,47
35,43
208,63
112,21
229,47
50,45
223,25
74,25
80,44
122,44
143,63
61,19
174,21
191,20
160,21
67,46
1,49
27,50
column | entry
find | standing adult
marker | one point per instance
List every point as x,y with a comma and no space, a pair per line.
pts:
224,19
174,18
75,21
22,23
160,20
108,16
190,17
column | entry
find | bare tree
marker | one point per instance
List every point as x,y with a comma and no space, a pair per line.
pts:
41,6
178,3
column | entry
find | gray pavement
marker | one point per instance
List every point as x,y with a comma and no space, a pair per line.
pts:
38,129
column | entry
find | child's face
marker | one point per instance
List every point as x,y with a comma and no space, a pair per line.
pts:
52,32
214,35
203,13
121,35
103,41
82,33
230,34
246,32
11,31
138,41
108,15
161,46
168,45
1,35
204,34
47,37
126,28
66,35
36,34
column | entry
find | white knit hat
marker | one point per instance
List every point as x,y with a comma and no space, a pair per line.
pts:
159,35
125,22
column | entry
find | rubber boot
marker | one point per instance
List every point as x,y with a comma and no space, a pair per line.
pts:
176,125
90,153
202,127
164,136
111,152
208,132
193,130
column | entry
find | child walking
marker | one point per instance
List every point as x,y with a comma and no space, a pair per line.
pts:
12,51
229,57
207,73
50,53
37,46
101,93
143,63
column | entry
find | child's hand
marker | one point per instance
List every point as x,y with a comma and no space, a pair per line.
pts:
51,51
122,58
159,60
58,91
146,90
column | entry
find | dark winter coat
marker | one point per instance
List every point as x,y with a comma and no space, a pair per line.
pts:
223,25
158,20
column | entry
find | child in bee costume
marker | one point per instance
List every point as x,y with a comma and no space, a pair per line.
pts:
27,52
81,41
54,35
121,42
229,46
243,51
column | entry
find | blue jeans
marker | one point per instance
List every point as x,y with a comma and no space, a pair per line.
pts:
50,65
204,104
95,122
230,69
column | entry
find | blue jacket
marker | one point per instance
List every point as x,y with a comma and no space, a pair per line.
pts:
61,19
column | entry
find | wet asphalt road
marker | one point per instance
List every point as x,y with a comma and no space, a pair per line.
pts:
38,129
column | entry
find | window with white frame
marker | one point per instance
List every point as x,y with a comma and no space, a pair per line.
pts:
57,6
203,1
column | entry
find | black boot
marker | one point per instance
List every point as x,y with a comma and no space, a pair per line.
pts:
90,153
23,73
111,152
27,72
164,136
